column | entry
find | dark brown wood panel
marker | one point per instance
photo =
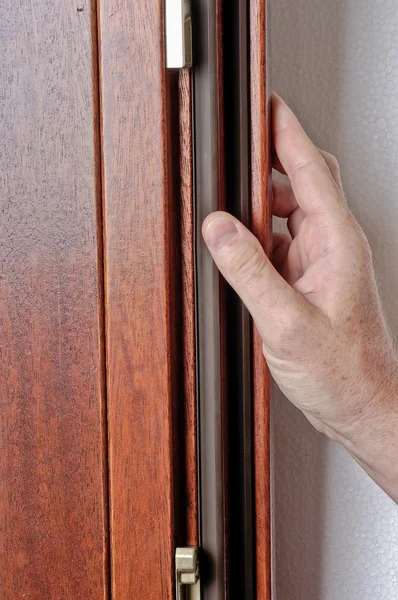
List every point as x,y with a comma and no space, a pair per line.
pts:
210,196
141,305
261,227
53,510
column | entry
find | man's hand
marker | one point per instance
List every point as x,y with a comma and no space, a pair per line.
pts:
317,307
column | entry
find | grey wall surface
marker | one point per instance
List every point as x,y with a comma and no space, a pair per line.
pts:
336,63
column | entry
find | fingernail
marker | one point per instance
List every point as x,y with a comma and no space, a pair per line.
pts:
220,232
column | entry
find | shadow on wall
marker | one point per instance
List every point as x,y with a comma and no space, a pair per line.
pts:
299,452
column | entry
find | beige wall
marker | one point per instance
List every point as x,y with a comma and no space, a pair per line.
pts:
336,63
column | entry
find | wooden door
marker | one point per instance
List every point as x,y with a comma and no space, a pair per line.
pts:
53,465
143,300
134,404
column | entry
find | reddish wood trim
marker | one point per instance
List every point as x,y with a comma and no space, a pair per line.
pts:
53,513
190,499
223,291
261,226
139,209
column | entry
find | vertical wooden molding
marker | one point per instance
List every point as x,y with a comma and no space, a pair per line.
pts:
261,227
140,209
188,307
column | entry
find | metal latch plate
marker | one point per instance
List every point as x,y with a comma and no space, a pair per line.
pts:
178,34
187,574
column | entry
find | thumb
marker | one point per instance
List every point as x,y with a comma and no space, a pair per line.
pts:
272,302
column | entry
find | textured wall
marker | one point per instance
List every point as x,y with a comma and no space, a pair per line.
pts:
336,63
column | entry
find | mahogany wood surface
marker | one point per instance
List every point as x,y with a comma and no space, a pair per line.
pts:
190,493
261,227
66,328
53,507
141,295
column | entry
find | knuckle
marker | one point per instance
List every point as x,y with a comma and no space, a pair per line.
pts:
248,265
336,162
303,165
367,252
331,161
362,240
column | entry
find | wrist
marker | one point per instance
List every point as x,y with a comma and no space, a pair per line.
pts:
372,438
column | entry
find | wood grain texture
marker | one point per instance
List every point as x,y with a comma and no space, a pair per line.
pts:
53,509
261,227
190,492
140,248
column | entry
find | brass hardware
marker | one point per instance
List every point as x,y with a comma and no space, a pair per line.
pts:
178,34
187,574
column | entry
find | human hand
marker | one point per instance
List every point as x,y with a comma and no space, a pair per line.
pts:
317,307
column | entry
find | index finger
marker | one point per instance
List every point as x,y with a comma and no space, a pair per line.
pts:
310,177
